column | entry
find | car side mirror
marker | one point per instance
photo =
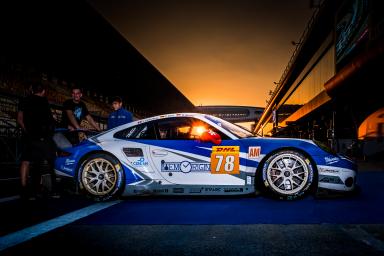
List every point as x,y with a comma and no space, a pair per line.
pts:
210,136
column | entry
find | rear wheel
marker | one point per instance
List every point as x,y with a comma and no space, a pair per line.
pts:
288,175
101,177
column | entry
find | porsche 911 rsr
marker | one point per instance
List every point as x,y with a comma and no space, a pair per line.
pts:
198,154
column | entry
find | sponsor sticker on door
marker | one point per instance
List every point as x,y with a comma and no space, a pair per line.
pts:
225,160
254,152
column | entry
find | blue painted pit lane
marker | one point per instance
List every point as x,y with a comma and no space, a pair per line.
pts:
364,208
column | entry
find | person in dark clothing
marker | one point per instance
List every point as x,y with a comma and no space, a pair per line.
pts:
36,120
75,111
119,116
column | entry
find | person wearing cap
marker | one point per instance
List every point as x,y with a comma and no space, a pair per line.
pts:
119,115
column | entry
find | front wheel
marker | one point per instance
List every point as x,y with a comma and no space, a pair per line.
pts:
101,177
288,174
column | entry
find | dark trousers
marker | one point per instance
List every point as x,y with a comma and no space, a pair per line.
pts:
41,153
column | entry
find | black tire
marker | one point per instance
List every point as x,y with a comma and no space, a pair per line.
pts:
288,175
101,177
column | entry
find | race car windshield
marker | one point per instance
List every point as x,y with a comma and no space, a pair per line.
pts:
232,128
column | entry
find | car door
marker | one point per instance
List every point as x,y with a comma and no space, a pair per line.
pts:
131,150
181,156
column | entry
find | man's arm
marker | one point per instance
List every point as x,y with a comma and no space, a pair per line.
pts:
109,122
130,116
92,122
20,119
72,119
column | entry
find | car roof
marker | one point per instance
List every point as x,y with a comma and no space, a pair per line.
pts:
168,116
153,118
159,117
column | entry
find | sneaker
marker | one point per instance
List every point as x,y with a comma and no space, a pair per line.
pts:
55,195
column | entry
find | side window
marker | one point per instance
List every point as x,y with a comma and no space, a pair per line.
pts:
142,132
183,128
174,129
199,127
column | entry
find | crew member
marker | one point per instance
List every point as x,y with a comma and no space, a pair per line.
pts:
120,115
35,118
75,111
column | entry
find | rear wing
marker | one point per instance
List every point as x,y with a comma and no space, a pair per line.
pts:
65,138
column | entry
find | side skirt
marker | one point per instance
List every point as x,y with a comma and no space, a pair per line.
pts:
158,189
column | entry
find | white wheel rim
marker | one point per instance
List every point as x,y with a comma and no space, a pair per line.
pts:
99,176
287,174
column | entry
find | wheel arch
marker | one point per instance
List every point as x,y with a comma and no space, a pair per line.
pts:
119,186
299,150
85,156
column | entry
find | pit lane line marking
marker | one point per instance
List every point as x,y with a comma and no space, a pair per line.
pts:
7,199
359,234
47,226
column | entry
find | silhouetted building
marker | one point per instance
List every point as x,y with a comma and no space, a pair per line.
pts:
233,114
333,81
244,115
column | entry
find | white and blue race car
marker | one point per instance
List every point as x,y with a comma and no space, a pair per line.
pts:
198,154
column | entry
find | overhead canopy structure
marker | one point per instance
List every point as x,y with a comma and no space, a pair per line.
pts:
332,84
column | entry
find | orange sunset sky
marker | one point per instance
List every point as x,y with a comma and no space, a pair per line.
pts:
215,52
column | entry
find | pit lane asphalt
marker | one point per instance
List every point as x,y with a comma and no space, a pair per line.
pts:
197,226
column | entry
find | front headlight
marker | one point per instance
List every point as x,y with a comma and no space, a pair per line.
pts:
324,147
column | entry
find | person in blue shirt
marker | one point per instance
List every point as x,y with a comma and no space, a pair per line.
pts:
119,116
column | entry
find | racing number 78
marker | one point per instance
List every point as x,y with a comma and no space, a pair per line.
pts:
229,163
225,160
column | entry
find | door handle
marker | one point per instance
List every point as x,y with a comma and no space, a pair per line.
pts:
159,152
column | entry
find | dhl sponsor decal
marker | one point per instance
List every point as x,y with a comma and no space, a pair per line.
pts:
225,160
